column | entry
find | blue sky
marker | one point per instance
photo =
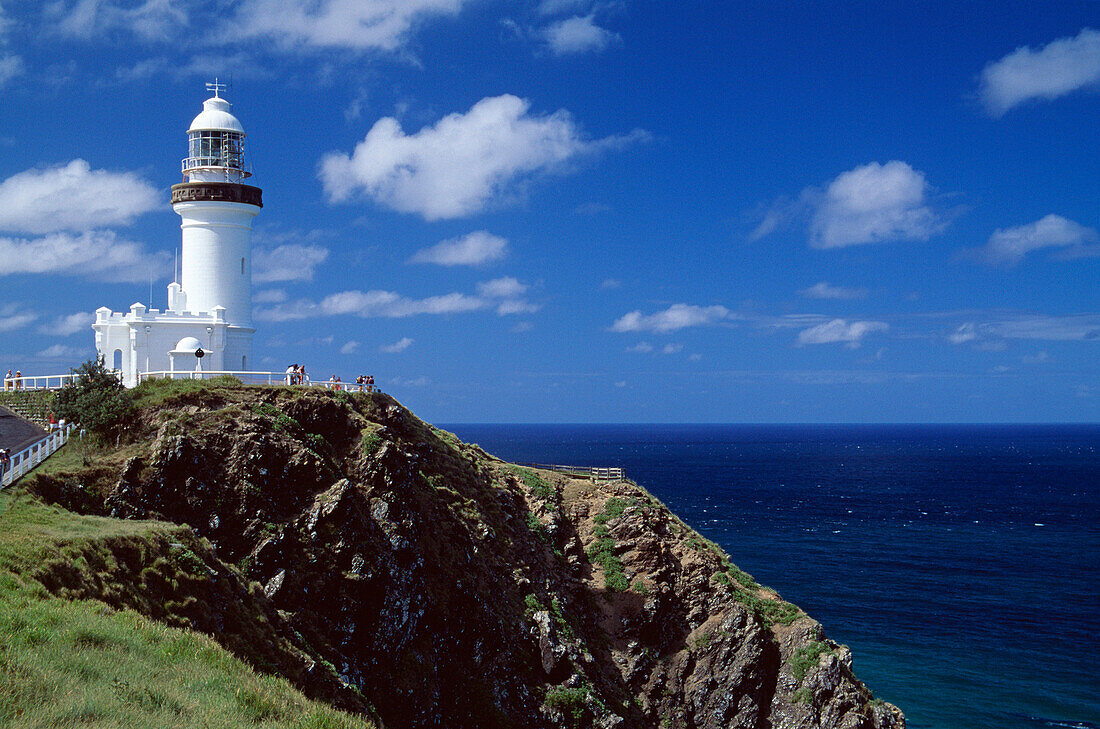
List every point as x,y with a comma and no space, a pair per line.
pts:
587,211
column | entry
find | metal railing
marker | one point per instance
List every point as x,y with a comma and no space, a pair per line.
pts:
26,459
596,473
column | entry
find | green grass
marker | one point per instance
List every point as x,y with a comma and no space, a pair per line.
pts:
538,486
569,701
81,663
151,393
807,657
602,551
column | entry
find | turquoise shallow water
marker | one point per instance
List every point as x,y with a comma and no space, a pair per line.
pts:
960,563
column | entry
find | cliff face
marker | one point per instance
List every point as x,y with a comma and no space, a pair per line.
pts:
450,589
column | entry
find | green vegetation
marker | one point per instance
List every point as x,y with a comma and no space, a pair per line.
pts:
537,527
280,421
538,486
81,663
602,551
639,587
154,392
370,442
96,400
569,701
807,657
743,588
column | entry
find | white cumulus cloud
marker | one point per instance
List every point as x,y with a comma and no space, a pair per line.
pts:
73,197
290,262
674,317
578,34
473,249
349,347
825,290
461,164
841,330
1058,68
399,346
1008,246
872,204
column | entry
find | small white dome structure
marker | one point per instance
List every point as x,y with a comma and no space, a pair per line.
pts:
187,345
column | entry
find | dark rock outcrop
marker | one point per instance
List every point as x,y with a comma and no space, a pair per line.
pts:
451,589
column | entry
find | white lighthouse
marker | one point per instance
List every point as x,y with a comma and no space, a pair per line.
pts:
209,309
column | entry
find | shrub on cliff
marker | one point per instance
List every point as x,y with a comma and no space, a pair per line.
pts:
96,400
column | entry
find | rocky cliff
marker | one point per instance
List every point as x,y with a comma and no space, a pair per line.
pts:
409,574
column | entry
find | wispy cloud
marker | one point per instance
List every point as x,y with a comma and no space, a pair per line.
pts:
473,249
399,346
841,331
463,163
1058,68
64,352
14,316
291,262
677,316
63,326
825,290
1009,246
349,347
369,304
96,254
578,34
378,25
149,20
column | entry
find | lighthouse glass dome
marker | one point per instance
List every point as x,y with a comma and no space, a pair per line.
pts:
215,149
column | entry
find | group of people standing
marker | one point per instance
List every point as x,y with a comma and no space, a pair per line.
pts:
13,382
296,375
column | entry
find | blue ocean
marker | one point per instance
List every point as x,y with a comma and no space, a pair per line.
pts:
960,563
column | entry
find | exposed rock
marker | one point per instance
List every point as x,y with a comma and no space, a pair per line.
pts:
453,590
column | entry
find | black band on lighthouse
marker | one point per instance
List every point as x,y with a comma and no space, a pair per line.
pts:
217,191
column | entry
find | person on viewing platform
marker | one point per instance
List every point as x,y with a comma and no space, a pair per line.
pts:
303,378
5,462
52,420
361,380
8,384
18,380
291,373
370,383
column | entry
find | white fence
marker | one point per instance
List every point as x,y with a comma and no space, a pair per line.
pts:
42,382
56,382
257,378
596,473
32,455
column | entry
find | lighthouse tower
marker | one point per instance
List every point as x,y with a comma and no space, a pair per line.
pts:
207,325
216,209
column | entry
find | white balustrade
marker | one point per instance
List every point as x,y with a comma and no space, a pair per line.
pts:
26,459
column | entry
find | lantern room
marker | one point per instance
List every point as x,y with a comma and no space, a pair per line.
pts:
215,144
